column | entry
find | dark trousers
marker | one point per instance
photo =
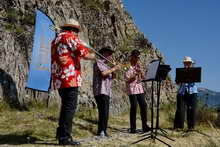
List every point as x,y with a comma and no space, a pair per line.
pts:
134,99
186,103
69,97
103,109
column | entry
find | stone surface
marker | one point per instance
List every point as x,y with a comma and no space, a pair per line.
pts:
103,23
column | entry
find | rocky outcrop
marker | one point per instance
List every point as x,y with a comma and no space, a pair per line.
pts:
103,23
218,118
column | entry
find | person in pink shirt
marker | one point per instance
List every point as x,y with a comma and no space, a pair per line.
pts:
103,76
135,91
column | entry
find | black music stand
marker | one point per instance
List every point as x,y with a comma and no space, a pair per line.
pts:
156,73
188,75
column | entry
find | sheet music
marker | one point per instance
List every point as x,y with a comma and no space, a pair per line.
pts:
152,70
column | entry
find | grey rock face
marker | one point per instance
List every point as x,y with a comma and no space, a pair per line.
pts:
103,23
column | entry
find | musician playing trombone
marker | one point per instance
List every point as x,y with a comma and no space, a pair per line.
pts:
135,92
102,84
67,51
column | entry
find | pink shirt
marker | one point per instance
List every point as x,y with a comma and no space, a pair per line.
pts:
101,85
135,87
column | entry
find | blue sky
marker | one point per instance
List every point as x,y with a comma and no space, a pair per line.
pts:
183,28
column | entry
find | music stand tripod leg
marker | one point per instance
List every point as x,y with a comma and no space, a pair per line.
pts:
157,117
162,142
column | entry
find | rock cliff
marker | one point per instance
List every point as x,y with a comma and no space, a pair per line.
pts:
103,23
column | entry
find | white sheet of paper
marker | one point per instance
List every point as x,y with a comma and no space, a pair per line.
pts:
152,70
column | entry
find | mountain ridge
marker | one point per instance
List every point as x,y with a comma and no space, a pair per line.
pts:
209,97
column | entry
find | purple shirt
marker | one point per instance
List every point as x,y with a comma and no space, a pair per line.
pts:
135,87
101,85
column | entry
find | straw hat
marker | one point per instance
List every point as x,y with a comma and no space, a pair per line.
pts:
187,59
71,23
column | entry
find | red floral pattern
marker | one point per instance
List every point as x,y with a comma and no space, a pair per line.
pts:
66,52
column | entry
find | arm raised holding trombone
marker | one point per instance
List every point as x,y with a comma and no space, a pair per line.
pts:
103,76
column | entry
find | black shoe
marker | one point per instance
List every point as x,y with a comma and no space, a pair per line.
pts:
178,129
68,141
190,129
132,131
146,129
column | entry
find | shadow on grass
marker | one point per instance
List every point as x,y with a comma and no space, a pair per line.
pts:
46,143
122,130
195,131
52,119
86,127
15,139
89,128
95,122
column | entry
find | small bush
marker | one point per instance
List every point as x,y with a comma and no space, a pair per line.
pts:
12,15
4,106
14,28
9,27
94,4
19,29
28,19
205,115
167,114
128,15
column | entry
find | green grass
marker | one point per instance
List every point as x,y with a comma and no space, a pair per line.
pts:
39,123
206,115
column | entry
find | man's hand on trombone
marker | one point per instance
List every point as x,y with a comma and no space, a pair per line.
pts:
111,70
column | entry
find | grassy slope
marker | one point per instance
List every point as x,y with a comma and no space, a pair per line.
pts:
37,127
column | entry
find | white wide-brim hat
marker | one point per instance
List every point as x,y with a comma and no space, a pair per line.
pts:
187,59
71,23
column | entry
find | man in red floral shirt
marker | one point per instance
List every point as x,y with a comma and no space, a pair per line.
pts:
67,51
